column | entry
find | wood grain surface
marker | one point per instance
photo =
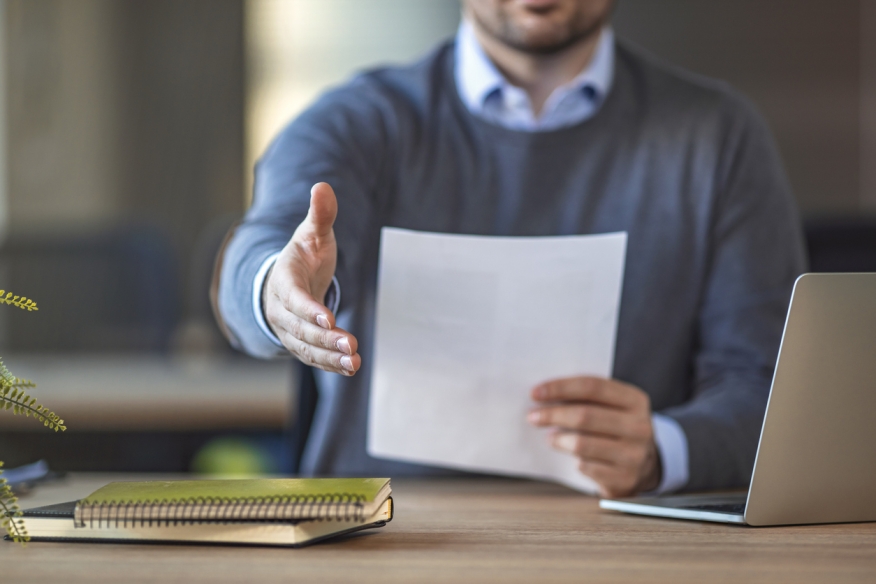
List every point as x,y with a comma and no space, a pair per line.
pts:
472,530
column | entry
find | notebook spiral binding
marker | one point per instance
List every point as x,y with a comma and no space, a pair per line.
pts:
338,506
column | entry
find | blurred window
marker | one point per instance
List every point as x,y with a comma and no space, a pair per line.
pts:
298,48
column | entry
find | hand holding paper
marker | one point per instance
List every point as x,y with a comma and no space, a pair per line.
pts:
606,425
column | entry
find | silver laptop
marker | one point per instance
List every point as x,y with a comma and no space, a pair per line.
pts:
816,460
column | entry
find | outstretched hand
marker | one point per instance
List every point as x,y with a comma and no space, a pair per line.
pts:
292,298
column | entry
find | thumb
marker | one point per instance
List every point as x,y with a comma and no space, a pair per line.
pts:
323,210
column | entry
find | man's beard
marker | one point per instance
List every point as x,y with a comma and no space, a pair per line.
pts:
555,42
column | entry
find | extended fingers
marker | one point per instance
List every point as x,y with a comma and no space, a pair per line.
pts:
592,389
611,451
329,360
620,467
300,303
306,328
333,340
592,419
332,350
612,481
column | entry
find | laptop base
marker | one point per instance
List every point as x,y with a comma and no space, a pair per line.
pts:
718,508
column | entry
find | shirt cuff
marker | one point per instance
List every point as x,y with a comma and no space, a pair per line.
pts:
672,448
332,297
257,286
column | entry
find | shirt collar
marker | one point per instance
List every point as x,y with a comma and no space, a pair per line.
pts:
477,78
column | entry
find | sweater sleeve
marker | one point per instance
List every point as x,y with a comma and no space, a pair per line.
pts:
755,254
340,140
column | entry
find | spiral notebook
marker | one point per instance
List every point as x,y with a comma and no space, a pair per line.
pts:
284,512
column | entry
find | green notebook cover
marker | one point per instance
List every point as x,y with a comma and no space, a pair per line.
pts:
237,489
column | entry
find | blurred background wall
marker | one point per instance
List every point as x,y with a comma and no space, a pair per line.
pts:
124,146
801,61
297,48
129,129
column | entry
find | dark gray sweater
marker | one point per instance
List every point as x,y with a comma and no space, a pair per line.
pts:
681,163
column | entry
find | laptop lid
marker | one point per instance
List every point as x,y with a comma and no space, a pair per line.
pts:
816,460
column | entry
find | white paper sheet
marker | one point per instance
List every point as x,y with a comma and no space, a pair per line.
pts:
468,325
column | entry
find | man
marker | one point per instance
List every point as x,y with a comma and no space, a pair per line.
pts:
535,121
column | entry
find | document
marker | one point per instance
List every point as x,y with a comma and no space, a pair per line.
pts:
468,325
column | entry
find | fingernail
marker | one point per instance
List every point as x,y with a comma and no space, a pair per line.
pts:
564,442
540,392
347,363
344,346
534,417
322,321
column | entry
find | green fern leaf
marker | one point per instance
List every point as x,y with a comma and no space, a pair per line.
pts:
15,397
10,513
21,302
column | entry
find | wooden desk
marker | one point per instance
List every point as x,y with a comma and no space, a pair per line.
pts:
142,392
477,530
